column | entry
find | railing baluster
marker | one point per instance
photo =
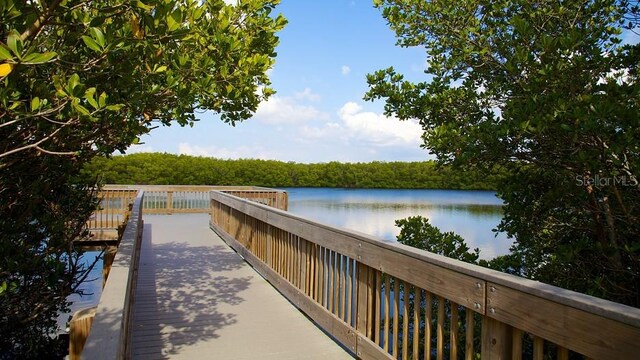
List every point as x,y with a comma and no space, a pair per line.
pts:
376,321
337,265
417,304
440,329
468,349
405,319
396,314
330,282
427,324
343,290
387,298
371,275
563,353
313,281
350,282
453,332
538,348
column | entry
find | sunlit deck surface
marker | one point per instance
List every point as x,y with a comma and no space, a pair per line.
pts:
197,299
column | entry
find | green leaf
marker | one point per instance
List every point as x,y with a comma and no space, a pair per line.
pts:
89,95
144,6
5,53
102,99
79,108
174,20
35,103
74,87
160,69
115,107
39,58
15,43
91,44
98,36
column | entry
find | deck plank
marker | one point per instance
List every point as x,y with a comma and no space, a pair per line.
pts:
196,299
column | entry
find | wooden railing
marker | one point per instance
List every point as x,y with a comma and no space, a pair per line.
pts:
111,326
384,300
175,199
114,206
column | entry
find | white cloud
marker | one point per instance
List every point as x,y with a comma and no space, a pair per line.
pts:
231,2
241,152
329,130
307,94
289,109
377,129
345,70
141,148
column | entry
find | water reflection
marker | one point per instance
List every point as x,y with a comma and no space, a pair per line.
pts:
90,289
471,214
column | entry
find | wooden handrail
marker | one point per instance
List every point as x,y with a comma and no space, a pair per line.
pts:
375,296
111,327
175,199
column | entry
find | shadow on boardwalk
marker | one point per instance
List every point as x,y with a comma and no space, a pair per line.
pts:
185,295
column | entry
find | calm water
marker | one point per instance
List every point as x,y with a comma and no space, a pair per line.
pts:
92,288
471,214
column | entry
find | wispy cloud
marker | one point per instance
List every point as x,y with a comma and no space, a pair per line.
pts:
289,109
307,94
141,148
377,129
345,70
242,152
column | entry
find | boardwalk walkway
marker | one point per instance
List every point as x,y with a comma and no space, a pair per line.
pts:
197,299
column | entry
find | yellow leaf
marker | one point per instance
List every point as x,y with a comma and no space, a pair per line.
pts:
138,32
5,69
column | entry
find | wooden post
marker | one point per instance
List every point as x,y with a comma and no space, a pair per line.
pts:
496,339
79,328
109,255
270,246
362,301
169,202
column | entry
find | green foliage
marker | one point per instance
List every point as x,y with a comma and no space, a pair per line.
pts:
416,231
93,77
156,168
39,267
86,78
547,92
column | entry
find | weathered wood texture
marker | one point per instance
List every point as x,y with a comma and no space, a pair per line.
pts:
79,328
114,206
466,311
108,338
197,299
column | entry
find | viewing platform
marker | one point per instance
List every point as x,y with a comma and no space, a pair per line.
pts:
231,274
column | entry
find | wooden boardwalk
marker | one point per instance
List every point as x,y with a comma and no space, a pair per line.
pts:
197,299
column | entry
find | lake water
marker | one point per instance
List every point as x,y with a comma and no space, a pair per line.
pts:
91,288
471,214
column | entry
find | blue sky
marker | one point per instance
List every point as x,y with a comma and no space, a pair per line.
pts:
318,114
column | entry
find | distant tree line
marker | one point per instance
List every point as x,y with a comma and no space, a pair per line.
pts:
165,169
